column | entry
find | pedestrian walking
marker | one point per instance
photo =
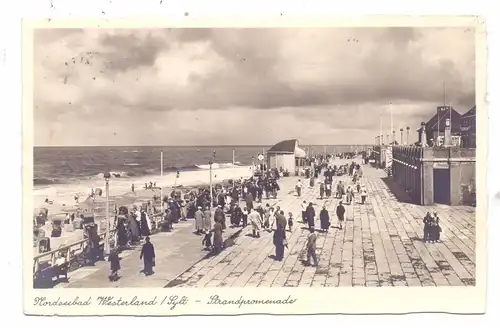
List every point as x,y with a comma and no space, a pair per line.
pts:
311,248
298,188
290,221
310,215
436,229
321,190
279,241
256,222
218,242
427,227
364,194
280,220
245,216
304,207
148,254
114,261
207,219
340,214
324,218
198,219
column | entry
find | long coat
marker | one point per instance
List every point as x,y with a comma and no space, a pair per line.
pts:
207,221
148,254
217,230
144,225
324,217
134,229
198,219
310,214
114,260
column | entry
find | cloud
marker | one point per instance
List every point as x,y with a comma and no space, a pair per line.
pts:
248,86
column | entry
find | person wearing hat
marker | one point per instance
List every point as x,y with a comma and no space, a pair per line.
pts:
220,217
340,214
310,215
198,220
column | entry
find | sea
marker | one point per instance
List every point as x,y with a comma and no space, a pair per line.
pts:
61,173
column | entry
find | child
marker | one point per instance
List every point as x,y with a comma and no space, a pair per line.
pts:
207,241
321,190
290,221
358,187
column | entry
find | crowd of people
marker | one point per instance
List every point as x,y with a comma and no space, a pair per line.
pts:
241,201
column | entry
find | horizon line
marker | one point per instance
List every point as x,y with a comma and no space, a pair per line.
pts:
199,146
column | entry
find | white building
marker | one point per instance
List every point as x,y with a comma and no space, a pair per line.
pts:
286,155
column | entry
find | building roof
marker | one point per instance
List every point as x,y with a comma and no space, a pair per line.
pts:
287,147
443,114
470,112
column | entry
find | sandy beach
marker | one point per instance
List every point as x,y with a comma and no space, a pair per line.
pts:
129,198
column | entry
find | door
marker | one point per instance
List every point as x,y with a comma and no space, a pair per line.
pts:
442,186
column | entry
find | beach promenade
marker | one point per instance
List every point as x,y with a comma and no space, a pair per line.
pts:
380,245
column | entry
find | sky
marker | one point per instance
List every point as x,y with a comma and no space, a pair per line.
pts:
191,86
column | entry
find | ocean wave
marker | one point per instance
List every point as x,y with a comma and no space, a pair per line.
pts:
46,181
114,174
133,174
131,151
218,165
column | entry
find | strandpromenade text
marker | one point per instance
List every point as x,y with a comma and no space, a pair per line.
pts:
170,302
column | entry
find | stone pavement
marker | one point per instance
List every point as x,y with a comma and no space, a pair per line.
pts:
380,245
175,252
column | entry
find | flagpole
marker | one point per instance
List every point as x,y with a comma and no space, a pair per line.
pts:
381,138
392,127
161,174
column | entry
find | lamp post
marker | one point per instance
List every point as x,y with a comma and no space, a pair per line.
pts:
393,136
210,162
107,176
401,130
407,135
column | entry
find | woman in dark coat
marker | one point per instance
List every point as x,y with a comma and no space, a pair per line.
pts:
144,225
279,238
237,215
310,214
122,233
217,231
324,217
148,254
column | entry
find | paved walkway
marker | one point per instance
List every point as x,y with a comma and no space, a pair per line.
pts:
175,252
380,245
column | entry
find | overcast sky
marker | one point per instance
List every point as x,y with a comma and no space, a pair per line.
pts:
250,86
